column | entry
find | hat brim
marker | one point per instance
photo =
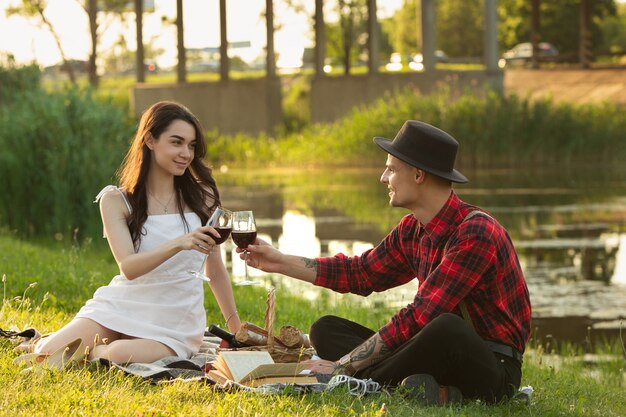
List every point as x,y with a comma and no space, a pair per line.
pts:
386,145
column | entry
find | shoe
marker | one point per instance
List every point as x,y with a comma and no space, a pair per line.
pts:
71,354
27,345
425,389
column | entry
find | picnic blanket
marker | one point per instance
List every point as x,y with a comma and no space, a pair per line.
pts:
173,368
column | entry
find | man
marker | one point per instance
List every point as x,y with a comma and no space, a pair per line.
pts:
466,329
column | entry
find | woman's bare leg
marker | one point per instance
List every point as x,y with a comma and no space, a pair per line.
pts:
88,330
132,350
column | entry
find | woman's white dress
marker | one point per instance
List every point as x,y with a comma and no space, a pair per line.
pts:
167,303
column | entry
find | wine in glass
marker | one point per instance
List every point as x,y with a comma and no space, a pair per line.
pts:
244,234
222,221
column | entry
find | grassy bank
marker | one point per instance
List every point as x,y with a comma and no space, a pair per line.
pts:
493,131
66,276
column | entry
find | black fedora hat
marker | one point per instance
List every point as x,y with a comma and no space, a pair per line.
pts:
425,147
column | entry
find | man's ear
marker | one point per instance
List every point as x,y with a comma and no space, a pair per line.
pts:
420,175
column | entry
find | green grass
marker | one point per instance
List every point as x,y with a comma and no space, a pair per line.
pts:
66,275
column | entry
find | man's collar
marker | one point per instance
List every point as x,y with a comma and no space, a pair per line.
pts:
439,226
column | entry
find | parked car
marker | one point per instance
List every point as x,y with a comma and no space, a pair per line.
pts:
522,53
414,62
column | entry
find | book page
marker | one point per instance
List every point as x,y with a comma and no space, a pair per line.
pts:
299,379
240,363
275,370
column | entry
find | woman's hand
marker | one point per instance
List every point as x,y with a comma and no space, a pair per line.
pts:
201,239
263,256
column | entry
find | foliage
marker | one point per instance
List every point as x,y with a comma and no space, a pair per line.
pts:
15,79
60,149
559,25
296,113
564,384
346,40
460,28
403,28
559,22
494,131
614,32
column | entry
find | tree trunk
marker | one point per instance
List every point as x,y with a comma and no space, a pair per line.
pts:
346,31
182,64
92,12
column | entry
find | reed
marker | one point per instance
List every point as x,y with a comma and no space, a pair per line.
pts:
59,149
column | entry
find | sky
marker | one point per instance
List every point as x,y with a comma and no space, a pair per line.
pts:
245,22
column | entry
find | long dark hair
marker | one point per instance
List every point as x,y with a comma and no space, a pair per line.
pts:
196,187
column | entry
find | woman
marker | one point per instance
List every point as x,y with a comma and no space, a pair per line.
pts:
153,223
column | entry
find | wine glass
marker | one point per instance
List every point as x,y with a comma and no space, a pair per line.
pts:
244,234
222,221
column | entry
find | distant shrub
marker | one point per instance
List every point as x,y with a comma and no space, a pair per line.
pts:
15,79
59,150
493,130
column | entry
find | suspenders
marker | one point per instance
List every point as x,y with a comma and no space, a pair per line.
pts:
462,305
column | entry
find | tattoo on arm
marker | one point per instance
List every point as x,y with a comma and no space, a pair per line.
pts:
310,263
371,351
364,351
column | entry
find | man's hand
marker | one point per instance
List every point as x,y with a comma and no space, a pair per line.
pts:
263,256
321,366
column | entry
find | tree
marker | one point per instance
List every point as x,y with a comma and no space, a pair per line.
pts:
460,27
614,32
92,7
403,28
559,23
346,39
36,9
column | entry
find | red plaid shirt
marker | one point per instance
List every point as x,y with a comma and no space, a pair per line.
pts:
472,260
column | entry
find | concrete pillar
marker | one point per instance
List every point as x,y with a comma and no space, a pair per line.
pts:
181,70
139,58
320,38
535,36
429,35
224,63
491,36
270,58
372,37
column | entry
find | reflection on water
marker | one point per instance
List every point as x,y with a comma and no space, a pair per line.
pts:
568,227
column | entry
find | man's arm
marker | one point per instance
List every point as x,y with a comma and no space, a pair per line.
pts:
370,352
265,257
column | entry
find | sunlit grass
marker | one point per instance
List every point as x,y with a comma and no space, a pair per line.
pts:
66,275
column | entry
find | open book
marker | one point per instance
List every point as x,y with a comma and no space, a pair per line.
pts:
254,368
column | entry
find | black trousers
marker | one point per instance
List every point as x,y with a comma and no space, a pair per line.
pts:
447,348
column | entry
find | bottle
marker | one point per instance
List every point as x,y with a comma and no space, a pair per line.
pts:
227,336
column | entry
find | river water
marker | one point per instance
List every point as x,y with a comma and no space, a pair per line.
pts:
567,223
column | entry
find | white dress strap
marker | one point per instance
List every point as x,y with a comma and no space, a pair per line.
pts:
120,190
111,188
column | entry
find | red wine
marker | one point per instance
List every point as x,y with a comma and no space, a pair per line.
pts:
224,233
243,239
